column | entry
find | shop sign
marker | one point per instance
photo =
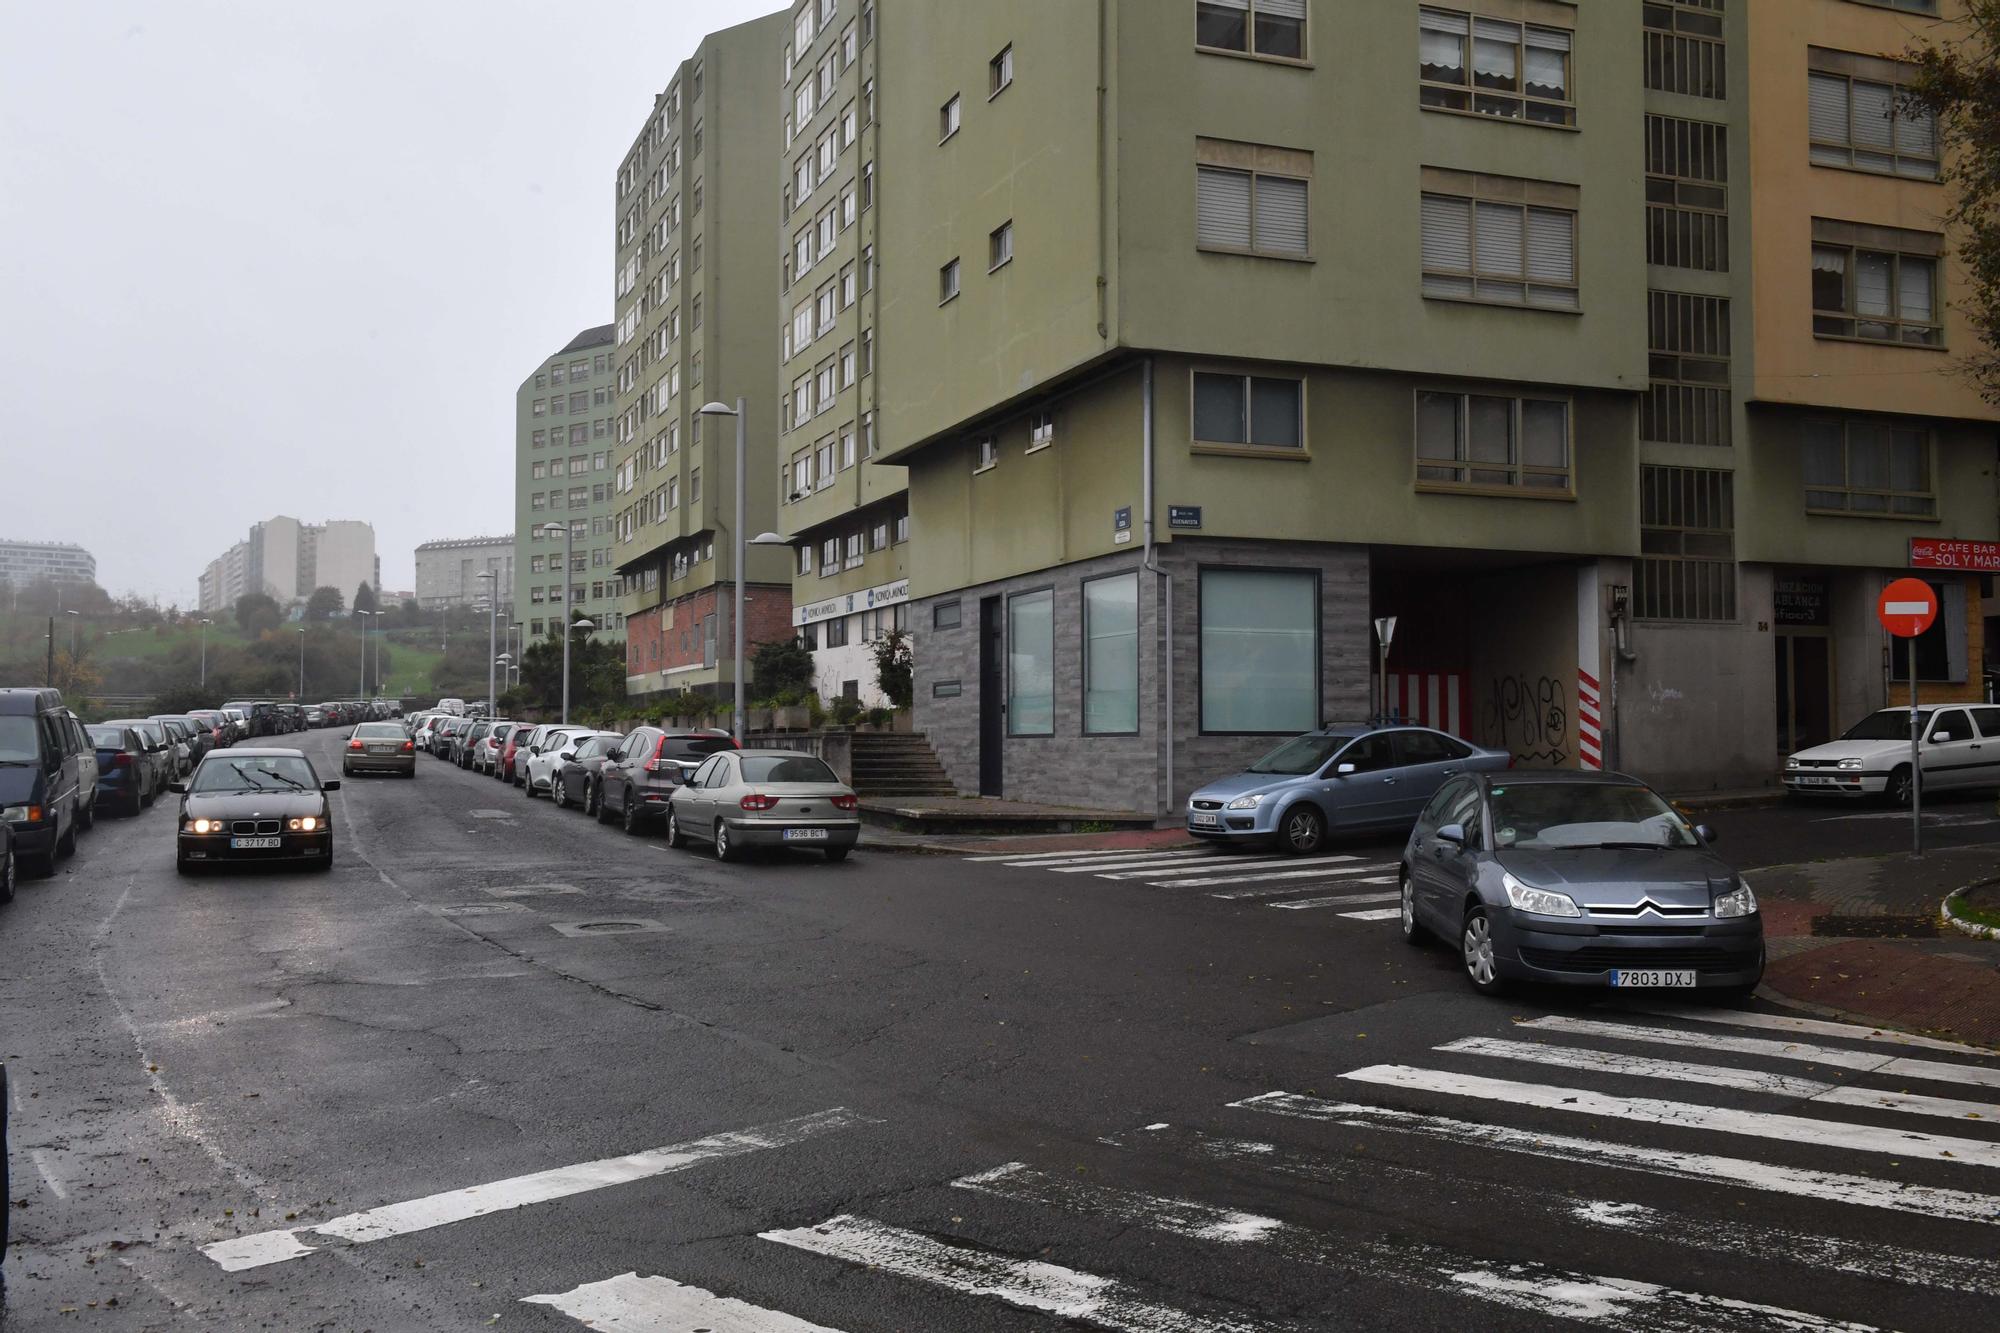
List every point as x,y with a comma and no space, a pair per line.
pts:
887,594
1799,599
1947,553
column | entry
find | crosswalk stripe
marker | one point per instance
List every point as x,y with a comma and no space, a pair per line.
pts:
1274,877
1688,1115
436,1210
1376,914
1752,1080
1812,1250
1817,1027
1340,900
1829,1186
1195,866
1060,858
633,1304
1874,1062
1158,861
1534,1287
1029,1284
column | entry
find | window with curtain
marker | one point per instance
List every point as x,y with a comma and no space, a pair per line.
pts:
1271,28
1867,465
1516,71
1250,210
1490,440
1514,254
1876,295
1259,651
1111,655
1031,665
1869,126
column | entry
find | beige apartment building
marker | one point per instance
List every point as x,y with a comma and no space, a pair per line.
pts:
697,204
1621,381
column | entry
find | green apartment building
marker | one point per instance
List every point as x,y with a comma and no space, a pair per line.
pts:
563,455
696,207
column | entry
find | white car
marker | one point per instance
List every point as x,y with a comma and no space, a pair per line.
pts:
456,707
1960,749
546,754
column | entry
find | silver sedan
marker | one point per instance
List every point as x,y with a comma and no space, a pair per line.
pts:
765,798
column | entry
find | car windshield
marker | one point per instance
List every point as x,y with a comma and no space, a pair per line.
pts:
108,738
1549,815
17,741
1891,724
261,773
387,731
1301,754
758,768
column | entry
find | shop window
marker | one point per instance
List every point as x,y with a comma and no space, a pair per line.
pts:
1259,651
1111,655
1031,664
1687,544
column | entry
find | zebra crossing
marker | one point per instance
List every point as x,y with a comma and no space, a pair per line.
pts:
1354,887
1558,1101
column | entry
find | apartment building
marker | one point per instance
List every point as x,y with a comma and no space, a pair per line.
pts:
697,203
23,563
286,560
1193,383
565,451
451,573
846,512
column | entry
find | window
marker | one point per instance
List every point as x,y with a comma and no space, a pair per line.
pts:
855,553
902,528
1878,295
999,246
1684,50
579,402
536,564
945,615
1483,440
694,486
1250,211
1687,199
1259,651
1867,465
829,556
1041,430
1505,252
1867,125
999,73
1516,71
1687,545
540,407
696,313
836,632
948,282
1275,29
846,286
847,366
948,119
538,471
867,186
878,537
823,457
805,560
1031,679
1111,655
987,454
1687,400
868,351
1254,410
556,373
541,438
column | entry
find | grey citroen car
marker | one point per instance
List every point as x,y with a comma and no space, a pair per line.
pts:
1577,879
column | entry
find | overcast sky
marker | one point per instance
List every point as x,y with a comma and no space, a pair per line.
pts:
268,257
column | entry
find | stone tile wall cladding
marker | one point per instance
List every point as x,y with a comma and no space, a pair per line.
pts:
1129,772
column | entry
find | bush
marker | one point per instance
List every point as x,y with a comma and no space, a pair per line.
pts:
880,717
782,667
846,711
893,668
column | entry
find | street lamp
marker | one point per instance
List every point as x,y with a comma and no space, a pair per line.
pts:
492,576
72,636
736,537
364,650
517,646
569,542
302,664
204,652
586,625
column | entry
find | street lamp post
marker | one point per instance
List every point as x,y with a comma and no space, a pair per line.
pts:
366,626
517,647
72,636
569,541
302,664
492,577
738,542
587,626
204,652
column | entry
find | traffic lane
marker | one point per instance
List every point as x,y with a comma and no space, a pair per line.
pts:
1795,829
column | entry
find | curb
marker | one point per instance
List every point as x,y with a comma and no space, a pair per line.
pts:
1961,925
1769,995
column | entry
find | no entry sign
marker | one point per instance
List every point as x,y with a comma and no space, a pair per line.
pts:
1907,608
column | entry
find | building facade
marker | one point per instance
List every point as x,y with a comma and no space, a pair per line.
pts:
1623,396
450,573
696,204
286,560
564,452
23,563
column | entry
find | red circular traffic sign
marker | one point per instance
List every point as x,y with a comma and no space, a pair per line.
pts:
1907,608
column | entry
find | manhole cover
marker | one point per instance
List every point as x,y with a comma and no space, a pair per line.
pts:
610,926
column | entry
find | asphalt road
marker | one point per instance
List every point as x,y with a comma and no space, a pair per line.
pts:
505,1067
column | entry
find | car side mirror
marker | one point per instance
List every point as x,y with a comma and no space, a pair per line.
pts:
1704,832
332,784
178,788
567,755
1342,770
1452,833
616,756
1938,737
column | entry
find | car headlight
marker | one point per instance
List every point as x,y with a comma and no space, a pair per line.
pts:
1792,761
304,825
22,814
204,826
1247,802
1542,902
1740,902
1850,764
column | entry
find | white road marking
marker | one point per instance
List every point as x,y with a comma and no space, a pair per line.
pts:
1814,1026
633,1304
1874,1062
40,1158
1378,914
1829,1186
1340,900
1195,866
1330,872
1028,1284
436,1210
1158,863
1906,1143
1535,1287
1058,858
1721,1076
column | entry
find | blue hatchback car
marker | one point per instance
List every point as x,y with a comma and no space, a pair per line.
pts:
1357,777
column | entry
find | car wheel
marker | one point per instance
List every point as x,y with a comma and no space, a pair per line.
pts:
675,838
325,863
182,866
559,792
1476,948
1412,932
7,896
66,844
836,854
629,815
136,804
1898,790
724,849
1301,830
90,815
528,786
602,810
590,798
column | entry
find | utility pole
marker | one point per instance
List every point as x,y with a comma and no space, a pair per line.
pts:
204,652
302,664
569,538
492,578
49,678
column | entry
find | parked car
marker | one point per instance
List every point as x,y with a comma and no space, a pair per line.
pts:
639,778
261,714
254,805
515,757
159,752
1577,879
126,779
546,753
765,798
316,715
486,754
239,724
294,716
449,735
466,737
219,735
1959,750
425,727
190,733
40,770
1345,778
379,747
10,872
456,707
574,782
87,768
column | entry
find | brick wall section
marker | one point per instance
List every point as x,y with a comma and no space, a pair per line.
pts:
1129,772
651,646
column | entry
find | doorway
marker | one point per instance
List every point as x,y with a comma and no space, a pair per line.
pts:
992,696
1805,690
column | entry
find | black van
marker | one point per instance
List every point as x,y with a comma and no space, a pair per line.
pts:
41,788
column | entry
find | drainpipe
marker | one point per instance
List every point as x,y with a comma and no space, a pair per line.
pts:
1164,640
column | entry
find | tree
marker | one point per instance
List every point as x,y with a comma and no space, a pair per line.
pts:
364,599
784,667
894,668
257,612
1959,81
324,604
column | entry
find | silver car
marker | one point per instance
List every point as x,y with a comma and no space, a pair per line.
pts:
765,798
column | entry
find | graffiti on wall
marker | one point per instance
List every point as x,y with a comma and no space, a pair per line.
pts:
1529,719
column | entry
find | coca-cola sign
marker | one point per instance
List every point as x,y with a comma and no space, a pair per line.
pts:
1948,553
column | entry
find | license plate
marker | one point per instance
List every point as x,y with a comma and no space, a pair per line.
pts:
256,844
805,835
381,749
1650,978
1815,782
1203,819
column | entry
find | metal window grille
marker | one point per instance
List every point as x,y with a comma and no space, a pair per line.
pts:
1688,400
1687,542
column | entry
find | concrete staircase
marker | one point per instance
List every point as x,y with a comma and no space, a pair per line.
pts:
897,764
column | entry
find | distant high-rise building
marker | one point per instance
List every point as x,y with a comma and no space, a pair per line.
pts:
448,572
22,563
563,444
287,560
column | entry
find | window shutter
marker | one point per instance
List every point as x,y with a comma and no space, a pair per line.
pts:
1447,227
1551,245
1548,39
1288,9
1826,108
1916,136
1500,240
1243,5
1874,105
1281,214
1223,207
1436,20
1492,30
